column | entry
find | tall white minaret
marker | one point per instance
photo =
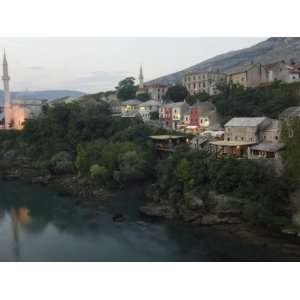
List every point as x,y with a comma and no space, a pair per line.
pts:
7,100
141,78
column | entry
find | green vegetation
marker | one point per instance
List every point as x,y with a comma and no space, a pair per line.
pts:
264,196
269,100
291,137
176,93
143,97
126,89
84,138
199,97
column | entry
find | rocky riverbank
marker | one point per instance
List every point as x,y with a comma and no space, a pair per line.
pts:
67,184
212,209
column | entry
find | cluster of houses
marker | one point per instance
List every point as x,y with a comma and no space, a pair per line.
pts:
251,138
251,75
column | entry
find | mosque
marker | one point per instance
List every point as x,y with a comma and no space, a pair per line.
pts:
16,111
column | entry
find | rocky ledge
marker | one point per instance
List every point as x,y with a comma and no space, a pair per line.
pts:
215,209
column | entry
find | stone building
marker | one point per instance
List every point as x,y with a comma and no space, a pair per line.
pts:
251,76
250,137
284,72
197,82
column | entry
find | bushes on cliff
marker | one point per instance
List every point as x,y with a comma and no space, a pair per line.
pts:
62,163
113,163
264,195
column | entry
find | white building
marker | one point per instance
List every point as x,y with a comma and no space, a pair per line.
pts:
147,108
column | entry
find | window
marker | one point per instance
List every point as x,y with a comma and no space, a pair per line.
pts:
276,137
228,139
291,133
242,138
236,138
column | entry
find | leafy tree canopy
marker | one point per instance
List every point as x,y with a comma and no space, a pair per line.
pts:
126,89
176,93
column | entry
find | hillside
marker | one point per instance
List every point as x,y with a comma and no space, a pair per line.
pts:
268,51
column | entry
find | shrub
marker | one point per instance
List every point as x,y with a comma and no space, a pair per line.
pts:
61,163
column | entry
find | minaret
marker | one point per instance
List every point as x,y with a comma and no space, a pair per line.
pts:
7,101
141,78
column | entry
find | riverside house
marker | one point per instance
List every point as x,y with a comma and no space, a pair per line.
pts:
249,137
147,108
172,114
130,108
198,118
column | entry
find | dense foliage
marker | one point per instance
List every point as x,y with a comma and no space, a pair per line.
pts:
199,97
291,137
268,100
126,89
176,93
265,196
143,97
86,139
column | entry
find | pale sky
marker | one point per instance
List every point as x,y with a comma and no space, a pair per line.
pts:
98,64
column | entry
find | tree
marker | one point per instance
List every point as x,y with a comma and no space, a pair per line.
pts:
126,89
143,97
176,93
199,97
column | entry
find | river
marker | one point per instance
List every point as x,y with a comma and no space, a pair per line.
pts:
37,224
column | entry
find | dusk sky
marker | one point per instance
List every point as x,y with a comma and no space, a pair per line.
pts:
97,64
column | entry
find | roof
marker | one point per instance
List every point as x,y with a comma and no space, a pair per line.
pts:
244,69
157,85
165,137
150,103
268,147
175,104
200,139
245,122
274,125
293,111
204,72
131,102
231,143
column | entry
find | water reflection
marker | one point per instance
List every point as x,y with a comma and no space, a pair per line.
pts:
39,225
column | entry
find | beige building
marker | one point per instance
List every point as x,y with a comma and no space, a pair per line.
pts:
284,72
157,91
207,82
252,76
242,134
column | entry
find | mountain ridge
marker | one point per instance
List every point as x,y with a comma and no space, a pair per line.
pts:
268,51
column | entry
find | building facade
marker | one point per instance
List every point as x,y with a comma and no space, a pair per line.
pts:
157,92
146,109
251,76
199,82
